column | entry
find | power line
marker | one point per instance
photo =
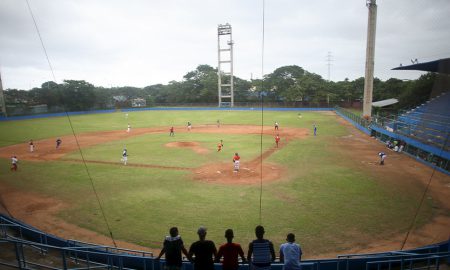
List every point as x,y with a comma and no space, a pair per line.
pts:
71,127
262,113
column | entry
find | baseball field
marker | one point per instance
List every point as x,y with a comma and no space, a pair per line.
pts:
328,189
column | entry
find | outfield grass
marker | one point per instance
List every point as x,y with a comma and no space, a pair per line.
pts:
324,199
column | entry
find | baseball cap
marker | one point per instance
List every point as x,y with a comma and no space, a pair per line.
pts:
202,229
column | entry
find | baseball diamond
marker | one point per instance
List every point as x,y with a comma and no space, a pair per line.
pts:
316,186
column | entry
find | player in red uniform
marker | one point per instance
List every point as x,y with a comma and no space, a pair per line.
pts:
171,132
219,146
277,139
236,161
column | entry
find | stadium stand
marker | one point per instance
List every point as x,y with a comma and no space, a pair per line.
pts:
429,122
24,247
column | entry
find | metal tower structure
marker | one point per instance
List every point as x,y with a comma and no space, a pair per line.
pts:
329,60
225,65
370,58
2,98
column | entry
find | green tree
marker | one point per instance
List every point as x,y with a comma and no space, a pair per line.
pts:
78,95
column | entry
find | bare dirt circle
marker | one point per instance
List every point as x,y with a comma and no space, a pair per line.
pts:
195,146
249,173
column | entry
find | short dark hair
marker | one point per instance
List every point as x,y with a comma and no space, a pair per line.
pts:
259,230
229,233
173,231
290,237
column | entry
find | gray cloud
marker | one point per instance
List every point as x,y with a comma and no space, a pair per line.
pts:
141,42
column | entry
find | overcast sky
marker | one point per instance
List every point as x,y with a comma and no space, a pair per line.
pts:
145,42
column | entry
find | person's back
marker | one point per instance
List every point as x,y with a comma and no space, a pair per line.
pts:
204,250
260,251
172,247
230,252
290,253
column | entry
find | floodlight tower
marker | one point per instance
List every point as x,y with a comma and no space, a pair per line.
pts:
2,97
370,58
225,65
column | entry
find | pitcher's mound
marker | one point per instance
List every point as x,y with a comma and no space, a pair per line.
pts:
247,174
195,146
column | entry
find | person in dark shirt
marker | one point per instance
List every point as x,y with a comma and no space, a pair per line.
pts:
172,247
204,250
230,252
260,251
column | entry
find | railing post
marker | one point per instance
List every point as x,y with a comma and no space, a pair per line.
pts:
18,256
63,255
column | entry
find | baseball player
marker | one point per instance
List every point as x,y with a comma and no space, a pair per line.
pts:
31,144
14,162
382,157
189,126
128,128
218,123
236,161
171,132
315,129
124,158
219,146
277,139
276,125
58,142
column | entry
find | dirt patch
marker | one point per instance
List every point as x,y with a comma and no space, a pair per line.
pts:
195,146
249,173
41,212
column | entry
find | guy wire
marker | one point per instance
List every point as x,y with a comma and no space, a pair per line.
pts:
262,115
413,222
71,127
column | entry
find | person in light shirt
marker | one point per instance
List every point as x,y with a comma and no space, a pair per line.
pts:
290,253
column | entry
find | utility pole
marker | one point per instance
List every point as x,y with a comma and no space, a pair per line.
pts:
2,98
370,58
329,60
225,66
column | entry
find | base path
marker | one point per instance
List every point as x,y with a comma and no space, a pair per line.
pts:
45,150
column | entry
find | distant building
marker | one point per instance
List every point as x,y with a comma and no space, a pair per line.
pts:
138,102
120,99
36,109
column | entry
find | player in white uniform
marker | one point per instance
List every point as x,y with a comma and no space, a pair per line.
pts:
124,158
236,161
382,157
31,144
128,128
14,162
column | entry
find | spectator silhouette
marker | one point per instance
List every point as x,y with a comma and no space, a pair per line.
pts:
230,252
290,253
204,251
172,247
260,251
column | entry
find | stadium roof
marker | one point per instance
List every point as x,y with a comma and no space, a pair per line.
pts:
439,66
384,103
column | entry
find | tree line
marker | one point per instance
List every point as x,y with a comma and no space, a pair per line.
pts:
285,85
